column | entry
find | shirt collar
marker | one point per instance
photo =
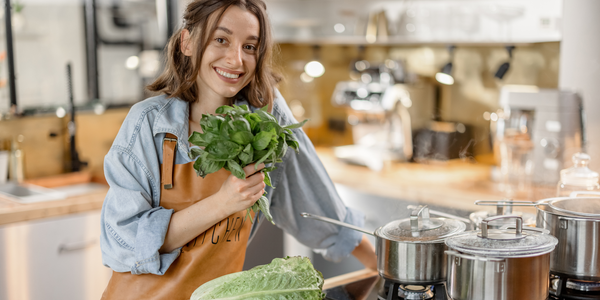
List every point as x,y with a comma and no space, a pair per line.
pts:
173,117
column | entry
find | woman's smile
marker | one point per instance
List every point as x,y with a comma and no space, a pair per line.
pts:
228,76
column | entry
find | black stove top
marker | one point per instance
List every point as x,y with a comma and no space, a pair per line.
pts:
376,288
565,287
397,291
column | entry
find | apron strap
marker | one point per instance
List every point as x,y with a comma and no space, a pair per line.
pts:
169,146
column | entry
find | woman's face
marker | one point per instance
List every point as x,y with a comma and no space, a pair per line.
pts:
229,60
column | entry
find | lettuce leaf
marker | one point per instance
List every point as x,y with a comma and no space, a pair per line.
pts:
287,278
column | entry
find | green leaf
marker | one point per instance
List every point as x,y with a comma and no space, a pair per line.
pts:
195,152
296,125
263,203
262,140
292,142
262,159
282,147
203,139
224,109
254,120
242,137
268,179
236,170
204,165
246,155
223,149
211,123
265,116
291,278
239,124
224,131
271,126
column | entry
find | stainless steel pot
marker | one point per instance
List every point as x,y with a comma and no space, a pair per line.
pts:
578,250
575,222
498,264
410,251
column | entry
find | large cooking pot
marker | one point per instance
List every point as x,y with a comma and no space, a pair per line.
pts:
576,224
498,264
410,251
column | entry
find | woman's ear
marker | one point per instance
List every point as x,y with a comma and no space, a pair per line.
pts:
186,47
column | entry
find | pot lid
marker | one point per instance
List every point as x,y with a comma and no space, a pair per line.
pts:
589,207
420,228
503,242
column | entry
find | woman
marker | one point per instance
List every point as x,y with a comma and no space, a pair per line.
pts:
166,231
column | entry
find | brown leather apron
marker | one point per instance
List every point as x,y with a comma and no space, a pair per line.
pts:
218,251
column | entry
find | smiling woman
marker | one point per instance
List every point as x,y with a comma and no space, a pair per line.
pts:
165,230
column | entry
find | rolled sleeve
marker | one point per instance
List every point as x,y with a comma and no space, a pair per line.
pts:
303,185
132,229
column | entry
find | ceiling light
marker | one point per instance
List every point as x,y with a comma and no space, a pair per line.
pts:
132,62
445,75
314,69
339,27
506,65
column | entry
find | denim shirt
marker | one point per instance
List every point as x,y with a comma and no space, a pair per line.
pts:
134,224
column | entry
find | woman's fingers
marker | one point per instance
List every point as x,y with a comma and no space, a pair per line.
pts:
250,170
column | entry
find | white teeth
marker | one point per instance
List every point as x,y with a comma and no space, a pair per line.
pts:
227,74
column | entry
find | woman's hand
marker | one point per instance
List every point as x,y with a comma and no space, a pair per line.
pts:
238,194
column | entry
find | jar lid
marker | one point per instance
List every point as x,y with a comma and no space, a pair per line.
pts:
579,174
420,228
503,243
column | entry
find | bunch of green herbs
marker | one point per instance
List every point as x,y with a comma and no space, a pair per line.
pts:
235,137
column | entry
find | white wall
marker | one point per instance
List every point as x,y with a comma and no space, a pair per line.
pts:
580,65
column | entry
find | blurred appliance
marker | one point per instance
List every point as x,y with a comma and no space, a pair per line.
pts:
380,122
442,140
537,132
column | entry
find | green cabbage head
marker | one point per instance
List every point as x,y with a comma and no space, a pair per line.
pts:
287,278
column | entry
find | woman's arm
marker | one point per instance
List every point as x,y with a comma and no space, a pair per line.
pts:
365,253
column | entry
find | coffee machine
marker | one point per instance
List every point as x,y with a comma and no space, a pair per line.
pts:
536,132
381,123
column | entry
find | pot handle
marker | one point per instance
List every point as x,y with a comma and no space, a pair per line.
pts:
504,203
335,222
442,214
484,225
472,257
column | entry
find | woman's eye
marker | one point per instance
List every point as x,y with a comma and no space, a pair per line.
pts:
220,40
250,47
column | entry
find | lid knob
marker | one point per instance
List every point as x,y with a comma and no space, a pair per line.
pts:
419,219
501,234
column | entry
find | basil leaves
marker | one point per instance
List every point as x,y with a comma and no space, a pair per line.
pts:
237,137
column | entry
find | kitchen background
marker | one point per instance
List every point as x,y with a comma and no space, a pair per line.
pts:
114,48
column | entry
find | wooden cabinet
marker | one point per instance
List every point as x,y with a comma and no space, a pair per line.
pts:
52,258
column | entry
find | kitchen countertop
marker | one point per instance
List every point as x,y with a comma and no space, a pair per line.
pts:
11,212
454,183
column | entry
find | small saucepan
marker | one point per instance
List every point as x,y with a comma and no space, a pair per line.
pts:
410,251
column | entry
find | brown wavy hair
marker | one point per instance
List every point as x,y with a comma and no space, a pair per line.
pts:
200,18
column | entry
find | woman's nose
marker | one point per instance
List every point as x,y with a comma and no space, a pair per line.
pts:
234,57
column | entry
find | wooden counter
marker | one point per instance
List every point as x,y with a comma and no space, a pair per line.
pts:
11,211
454,183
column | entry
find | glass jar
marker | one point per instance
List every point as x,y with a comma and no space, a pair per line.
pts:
578,178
